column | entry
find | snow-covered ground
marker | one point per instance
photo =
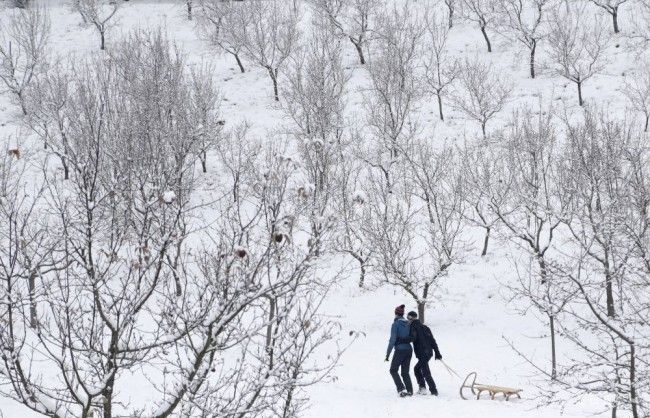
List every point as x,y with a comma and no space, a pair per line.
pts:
470,320
470,316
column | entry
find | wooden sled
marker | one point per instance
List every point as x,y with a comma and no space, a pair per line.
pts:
478,388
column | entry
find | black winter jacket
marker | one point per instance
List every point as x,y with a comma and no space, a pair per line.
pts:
424,345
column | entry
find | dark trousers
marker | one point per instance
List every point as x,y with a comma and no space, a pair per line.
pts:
423,373
402,358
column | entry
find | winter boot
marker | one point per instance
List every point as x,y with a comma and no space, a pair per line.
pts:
423,391
404,393
434,392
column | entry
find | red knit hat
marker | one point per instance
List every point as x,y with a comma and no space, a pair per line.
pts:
400,310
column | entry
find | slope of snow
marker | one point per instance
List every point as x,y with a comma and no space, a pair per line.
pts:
469,317
469,320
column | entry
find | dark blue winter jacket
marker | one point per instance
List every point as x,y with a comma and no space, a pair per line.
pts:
400,329
424,344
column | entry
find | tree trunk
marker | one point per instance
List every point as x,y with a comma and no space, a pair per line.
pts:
315,242
189,9
609,290
362,270
21,100
486,241
633,395
107,395
483,129
239,63
421,306
553,353
543,272
357,45
269,331
33,314
442,117
66,170
451,16
487,40
204,162
109,387
102,38
647,119
579,83
286,412
274,78
615,19
532,59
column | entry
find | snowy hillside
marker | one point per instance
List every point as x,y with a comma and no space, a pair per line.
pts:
224,232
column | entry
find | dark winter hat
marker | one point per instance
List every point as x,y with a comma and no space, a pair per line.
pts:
412,315
400,310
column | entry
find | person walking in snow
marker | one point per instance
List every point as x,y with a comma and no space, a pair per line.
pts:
424,346
400,330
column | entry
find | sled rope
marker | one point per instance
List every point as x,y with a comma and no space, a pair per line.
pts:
451,371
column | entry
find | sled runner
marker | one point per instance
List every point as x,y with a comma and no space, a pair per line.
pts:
478,388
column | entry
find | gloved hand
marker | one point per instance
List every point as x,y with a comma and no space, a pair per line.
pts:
386,359
438,356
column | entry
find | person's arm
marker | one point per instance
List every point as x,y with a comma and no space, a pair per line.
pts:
392,339
435,348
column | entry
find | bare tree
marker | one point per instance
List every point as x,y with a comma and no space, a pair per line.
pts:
353,208
352,19
25,255
315,104
26,247
637,91
272,36
111,270
611,348
440,69
259,270
483,13
394,76
532,204
415,225
597,154
111,305
223,24
23,52
611,7
451,9
522,20
577,49
482,171
640,22
204,113
49,119
304,332
611,366
480,93
98,14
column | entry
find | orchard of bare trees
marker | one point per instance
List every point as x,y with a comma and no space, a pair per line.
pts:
163,231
